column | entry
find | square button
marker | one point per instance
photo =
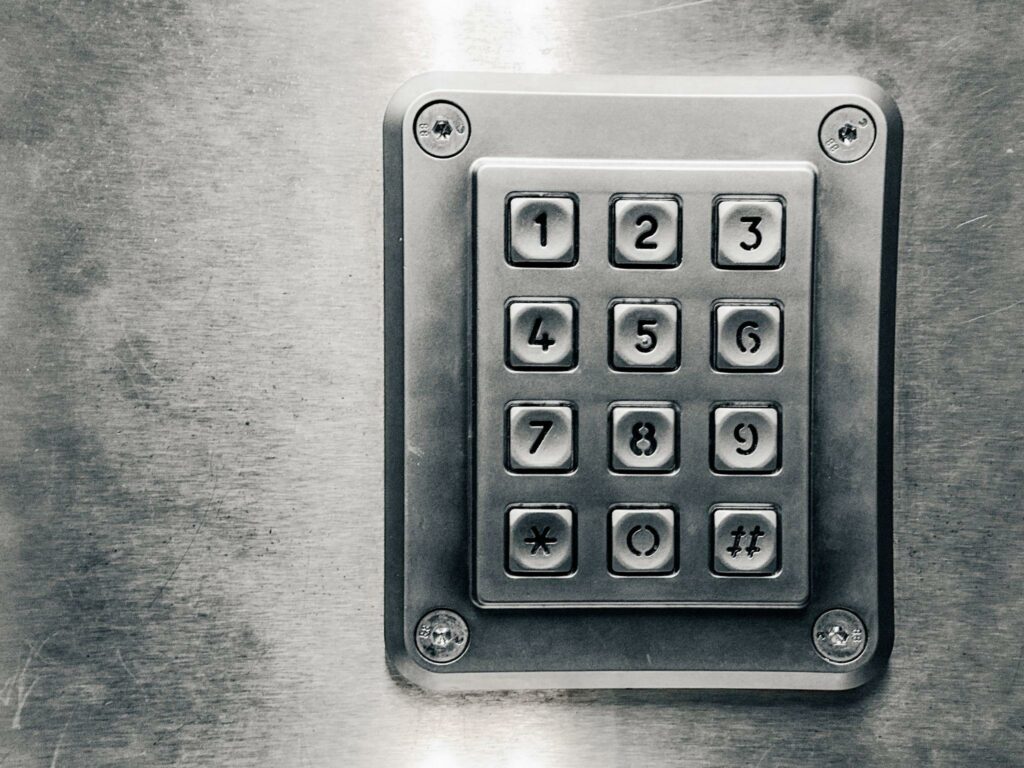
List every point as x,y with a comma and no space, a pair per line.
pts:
748,337
540,438
642,541
541,334
542,231
645,335
745,541
643,438
646,232
746,439
540,541
749,233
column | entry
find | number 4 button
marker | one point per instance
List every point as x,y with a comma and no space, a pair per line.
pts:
541,334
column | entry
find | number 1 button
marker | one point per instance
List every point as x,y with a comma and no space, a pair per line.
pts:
542,231
749,233
541,334
540,438
645,336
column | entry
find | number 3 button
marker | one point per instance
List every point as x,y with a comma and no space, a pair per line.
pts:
749,233
541,334
645,335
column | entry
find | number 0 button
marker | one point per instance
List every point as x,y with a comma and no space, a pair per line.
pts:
748,337
645,335
541,334
540,438
749,233
646,233
542,231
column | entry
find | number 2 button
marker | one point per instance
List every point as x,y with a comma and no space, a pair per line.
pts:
749,233
645,335
541,335
646,232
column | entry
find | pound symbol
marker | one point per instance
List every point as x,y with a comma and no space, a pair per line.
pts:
643,442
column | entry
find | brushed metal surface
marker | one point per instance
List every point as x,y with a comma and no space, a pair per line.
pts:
191,384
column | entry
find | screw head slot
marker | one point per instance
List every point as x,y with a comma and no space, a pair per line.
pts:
839,636
441,129
442,636
847,134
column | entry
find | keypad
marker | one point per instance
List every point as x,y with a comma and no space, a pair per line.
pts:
637,424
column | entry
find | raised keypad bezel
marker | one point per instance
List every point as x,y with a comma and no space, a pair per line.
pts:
595,285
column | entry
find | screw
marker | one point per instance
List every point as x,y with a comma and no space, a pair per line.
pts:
839,636
441,129
847,134
442,636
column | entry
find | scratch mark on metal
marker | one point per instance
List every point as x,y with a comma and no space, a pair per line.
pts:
763,756
191,541
14,688
971,221
995,311
649,11
60,739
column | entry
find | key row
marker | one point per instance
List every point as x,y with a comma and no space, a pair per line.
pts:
646,231
642,540
644,438
644,335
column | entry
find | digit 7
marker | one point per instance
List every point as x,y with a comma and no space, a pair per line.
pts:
544,425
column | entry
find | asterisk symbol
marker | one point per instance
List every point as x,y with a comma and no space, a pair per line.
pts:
540,539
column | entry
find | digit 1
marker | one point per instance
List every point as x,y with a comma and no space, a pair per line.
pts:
541,220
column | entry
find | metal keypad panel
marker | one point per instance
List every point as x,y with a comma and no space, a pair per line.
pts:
642,383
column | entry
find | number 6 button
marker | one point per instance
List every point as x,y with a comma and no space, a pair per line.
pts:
645,335
747,337
541,334
645,232
749,233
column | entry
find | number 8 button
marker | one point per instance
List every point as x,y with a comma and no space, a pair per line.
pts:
645,335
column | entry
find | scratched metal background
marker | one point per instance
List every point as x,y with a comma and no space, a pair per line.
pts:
190,384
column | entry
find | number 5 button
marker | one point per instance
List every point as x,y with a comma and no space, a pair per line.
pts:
645,335
540,437
541,334
749,233
746,439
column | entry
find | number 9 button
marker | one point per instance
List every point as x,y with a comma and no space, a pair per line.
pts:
746,439
749,233
645,335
